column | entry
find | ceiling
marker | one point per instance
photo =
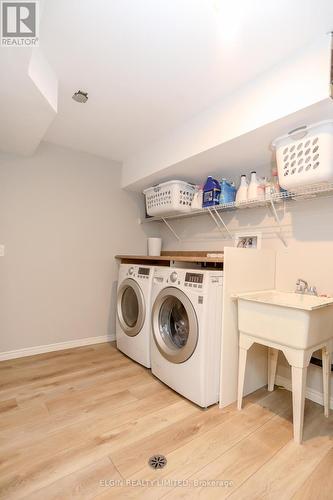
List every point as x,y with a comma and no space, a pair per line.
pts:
150,65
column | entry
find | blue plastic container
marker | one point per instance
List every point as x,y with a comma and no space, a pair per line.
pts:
225,191
228,192
211,192
233,192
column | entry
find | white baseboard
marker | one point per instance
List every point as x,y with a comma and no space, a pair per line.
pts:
70,344
311,394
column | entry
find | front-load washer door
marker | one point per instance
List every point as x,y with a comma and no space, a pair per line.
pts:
175,325
131,308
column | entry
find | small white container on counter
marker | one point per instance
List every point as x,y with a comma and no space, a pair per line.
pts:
154,246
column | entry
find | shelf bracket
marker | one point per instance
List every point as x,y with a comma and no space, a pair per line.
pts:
216,218
223,223
171,229
278,222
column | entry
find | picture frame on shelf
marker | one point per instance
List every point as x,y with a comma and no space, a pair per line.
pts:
248,240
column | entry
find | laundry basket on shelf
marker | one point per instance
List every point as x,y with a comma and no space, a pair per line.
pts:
169,198
305,156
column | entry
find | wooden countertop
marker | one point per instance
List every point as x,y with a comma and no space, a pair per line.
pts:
203,256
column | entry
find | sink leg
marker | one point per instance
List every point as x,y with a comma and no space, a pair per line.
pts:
298,388
272,363
241,375
326,357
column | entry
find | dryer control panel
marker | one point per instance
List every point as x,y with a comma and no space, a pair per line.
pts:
139,272
194,280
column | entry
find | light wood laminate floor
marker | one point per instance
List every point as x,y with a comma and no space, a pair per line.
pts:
84,422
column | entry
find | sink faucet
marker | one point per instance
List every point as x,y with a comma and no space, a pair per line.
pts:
302,286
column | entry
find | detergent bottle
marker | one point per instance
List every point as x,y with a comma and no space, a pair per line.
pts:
252,193
211,192
224,195
228,192
233,191
241,195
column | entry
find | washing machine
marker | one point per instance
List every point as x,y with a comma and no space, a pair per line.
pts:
134,311
186,332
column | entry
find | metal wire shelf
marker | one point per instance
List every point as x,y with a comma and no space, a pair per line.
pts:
272,201
307,192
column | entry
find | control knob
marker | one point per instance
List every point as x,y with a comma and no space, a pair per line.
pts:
131,270
173,277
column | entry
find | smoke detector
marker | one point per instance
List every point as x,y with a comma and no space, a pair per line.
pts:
80,96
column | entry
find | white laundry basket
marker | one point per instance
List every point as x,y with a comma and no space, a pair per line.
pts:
305,156
169,197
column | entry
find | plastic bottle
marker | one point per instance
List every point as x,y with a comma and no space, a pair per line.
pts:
225,192
233,191
197,198
262,183
275,181
228,192
241,195
253,187
211,192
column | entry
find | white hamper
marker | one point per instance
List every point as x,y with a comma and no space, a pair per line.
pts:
169,198
305,156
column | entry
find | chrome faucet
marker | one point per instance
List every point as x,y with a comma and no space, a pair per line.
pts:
302,286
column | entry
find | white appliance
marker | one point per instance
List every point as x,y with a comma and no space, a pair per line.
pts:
186,332
134,311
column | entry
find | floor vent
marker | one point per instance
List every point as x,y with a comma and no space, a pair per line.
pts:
157,461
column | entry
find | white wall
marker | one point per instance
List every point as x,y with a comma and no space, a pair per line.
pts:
308,228
28,99
279,92
63,217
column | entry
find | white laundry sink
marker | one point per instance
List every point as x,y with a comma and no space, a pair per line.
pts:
295,320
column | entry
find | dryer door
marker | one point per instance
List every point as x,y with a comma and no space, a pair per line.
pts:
131,309
175,325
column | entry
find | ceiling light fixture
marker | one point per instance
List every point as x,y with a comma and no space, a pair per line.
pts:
80,96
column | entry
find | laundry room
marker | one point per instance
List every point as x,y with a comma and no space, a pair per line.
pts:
166,241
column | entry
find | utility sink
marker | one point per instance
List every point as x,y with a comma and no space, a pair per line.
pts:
295,320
